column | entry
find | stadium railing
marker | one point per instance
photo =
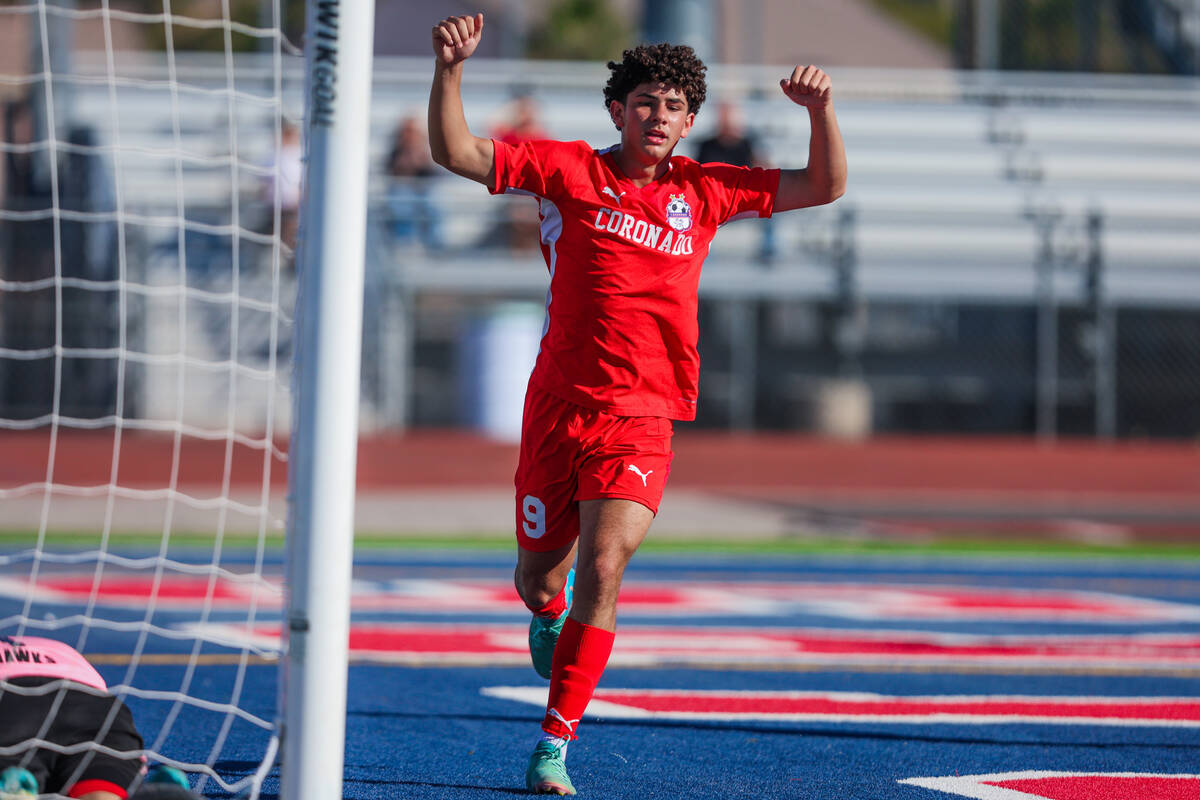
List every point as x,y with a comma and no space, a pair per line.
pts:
963,187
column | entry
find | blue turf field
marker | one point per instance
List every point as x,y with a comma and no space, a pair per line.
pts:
431,731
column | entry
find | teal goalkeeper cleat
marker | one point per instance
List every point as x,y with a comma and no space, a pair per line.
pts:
543,634
17,783
161,773
547,773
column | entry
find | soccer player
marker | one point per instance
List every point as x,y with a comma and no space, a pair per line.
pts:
66,716
624,231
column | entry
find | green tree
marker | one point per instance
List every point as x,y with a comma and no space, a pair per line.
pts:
932,18
246,12
579,29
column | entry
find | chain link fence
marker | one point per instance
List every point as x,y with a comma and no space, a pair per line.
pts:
1013,258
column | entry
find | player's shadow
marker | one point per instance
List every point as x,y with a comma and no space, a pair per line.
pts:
231,766
377,782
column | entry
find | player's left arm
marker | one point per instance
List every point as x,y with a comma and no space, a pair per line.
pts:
824,179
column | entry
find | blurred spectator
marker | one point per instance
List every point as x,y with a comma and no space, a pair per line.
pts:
519,225
414,214
90,316
523,123
731,144
284,184
26,255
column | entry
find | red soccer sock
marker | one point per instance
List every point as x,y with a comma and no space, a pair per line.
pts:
579,660
96,785
554,609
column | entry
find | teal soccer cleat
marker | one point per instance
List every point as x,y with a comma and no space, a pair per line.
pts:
543,634
547,773
163,774
17,783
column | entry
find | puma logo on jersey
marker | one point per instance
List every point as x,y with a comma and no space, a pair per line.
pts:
609,191
639,231
640,474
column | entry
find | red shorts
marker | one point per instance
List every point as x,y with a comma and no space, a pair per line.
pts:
570,453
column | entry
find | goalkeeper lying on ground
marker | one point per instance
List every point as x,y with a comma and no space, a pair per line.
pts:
50,694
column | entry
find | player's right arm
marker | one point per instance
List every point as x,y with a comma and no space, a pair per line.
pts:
451,142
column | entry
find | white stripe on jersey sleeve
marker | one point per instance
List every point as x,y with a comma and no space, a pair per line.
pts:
551,229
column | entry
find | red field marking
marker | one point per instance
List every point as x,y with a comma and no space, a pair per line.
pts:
173,592
1106,786
909,601
868,707
694,598
1175,710
504,644
1035,785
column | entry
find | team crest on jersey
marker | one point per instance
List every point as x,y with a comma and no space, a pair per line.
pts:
679,213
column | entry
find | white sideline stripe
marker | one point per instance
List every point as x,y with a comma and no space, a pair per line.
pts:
269,648
601,708
975,786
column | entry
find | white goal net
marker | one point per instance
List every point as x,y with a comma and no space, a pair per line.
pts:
149,191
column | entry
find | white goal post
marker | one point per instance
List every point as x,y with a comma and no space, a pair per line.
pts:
324,442
162,327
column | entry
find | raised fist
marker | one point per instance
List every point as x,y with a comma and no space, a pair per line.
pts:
808,86
455,38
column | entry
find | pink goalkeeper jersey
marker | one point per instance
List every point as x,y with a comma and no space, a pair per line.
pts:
624,262
32,656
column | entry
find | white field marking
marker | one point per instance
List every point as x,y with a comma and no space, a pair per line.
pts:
604,708
424,595
540,695
667,643
652,646
847,600
977,786
933,601
238,590
231,635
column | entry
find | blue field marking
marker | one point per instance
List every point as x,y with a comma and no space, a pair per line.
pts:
421,732
431,732
481,740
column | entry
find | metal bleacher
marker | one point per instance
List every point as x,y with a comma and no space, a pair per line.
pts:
979,188
947,172
949,175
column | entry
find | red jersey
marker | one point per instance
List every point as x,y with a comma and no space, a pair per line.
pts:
621,324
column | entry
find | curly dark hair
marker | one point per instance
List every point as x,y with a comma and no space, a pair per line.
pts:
672,64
